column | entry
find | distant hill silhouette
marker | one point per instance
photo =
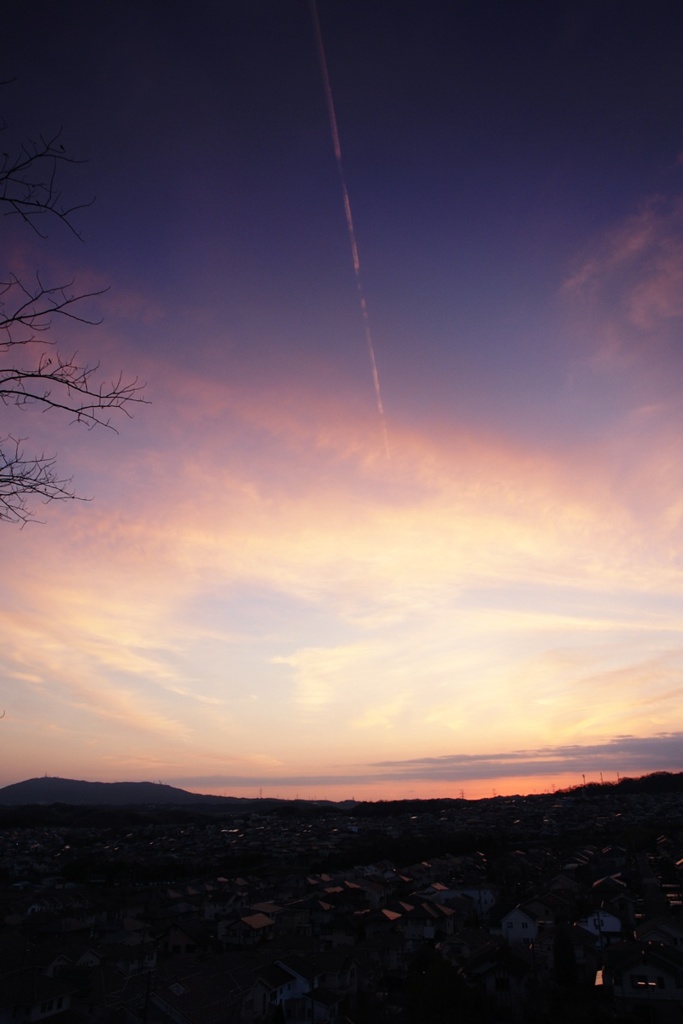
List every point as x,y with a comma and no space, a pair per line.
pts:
49,790
655,782
72,792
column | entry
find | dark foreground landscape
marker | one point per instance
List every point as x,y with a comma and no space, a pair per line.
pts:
134,902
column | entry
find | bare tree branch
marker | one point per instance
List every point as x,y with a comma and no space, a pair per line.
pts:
24,309
28,182
23,478
32,371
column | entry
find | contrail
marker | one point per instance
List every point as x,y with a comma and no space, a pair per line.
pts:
349,220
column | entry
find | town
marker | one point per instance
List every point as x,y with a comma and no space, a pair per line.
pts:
553,907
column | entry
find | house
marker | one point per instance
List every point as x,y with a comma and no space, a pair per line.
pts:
423,921
585,956
338,972
369,923
605,926
219,904
292,984
664,928
83,957
375,892
521,925
292,919
613,892
130,960
306,974
419,923
318,1005
191,991
645,980
188,937
31,996
381,957
482,897
464,943
566,884
552,905
507,975
245,929
613,857
273,988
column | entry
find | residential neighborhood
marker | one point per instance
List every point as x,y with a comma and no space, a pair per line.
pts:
554,907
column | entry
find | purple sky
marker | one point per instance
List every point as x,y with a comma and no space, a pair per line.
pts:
257,597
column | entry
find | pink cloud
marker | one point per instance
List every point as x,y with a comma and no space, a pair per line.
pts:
628,292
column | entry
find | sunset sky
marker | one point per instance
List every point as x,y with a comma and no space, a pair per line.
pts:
260,597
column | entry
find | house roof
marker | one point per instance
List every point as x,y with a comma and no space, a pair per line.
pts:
497,957
274,976
621,956
325,998
660,925
30,987
257,921
330,961
527,909
202,992
298,965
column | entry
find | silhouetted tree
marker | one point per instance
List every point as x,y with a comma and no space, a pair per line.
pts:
566,973
436,993
32,370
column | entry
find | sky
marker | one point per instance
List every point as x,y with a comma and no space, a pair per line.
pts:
277,588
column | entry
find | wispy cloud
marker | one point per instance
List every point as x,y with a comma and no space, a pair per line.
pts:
631,286
622,755
229,591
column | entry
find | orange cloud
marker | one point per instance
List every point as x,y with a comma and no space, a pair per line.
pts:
470,589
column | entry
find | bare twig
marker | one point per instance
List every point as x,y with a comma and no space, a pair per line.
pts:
32,371
28,182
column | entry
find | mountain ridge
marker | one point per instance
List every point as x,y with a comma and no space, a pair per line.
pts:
54,790
47,790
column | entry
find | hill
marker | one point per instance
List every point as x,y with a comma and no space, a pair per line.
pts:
47,791
50,790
